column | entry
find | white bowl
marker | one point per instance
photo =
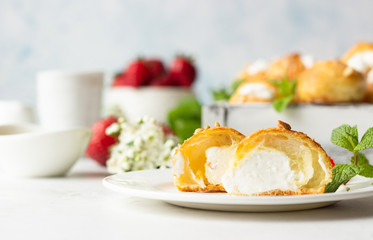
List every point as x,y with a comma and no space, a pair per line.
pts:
30,151
151,101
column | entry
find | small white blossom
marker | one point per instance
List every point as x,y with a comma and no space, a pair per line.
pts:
140,146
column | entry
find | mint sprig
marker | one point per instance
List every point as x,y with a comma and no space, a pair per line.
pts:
286,90
341,173
223,94
347,137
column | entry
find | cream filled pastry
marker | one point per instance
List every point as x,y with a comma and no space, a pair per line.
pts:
360,57
198,162
257,89
278,161
289,66
330,82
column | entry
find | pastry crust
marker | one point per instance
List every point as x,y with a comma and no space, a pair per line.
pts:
295,145
290,66
330,82
189,160
261,91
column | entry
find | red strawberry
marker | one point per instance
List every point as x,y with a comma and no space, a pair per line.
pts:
98,148
163,80
155,67
119,80
332,161
137,74
167,130
182,71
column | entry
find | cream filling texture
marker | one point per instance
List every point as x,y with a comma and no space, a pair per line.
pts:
259,90
261,171
217,162
307,60
256,67
178,167
361,61
370,77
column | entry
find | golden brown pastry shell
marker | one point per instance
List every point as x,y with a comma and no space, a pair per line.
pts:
330,82
284,131
290,66
193,151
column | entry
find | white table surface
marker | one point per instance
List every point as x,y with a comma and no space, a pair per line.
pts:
79,207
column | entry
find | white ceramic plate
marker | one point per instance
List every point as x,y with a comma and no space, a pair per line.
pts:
158,185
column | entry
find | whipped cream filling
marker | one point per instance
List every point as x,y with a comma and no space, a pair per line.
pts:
261,171
256,67
321,162
370,77
361,61
307,60
258,90
217,162
178,167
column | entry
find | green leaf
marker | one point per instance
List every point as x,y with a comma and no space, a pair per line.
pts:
286,90
221,94
281,104
185,118
341,174
345,136
366,141
366,170
236,83
361,160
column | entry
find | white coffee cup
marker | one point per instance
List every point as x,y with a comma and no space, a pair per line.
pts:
69,99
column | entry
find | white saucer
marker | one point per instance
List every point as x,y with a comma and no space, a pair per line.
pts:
158,185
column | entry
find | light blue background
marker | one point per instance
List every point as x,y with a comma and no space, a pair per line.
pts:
222,35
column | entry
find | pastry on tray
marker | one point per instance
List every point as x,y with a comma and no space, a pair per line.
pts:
330,82
197,162
291,66
273,161
255,89
360,57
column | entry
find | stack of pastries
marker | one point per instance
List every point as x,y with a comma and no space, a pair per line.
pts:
273,161
345,80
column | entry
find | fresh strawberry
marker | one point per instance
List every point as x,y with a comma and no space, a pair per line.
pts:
119,80
163,80
182,71
137,74
167,130
98,148
332,161
155,67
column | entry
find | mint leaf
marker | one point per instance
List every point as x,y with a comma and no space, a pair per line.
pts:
366,141
345,136
221,94
366,170
236,83
362,160
286,90
281,104
341,174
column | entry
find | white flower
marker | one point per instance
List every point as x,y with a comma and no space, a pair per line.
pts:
140,146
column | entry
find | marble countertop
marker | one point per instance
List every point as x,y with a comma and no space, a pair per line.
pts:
79,207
